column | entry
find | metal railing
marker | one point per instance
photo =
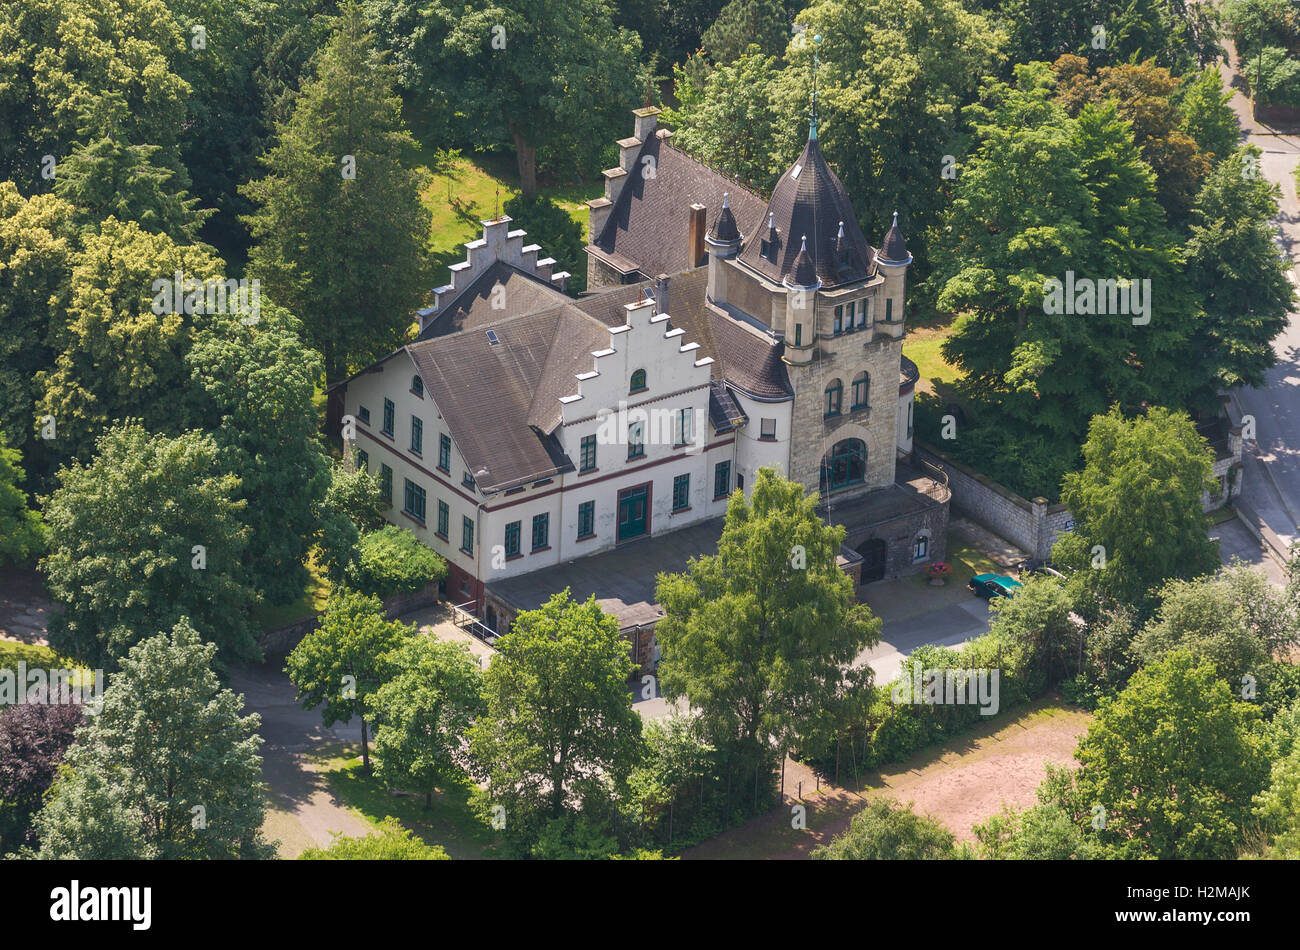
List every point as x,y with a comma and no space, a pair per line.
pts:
463,618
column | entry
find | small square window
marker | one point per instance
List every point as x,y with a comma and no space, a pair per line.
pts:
467,480
363,461
363,414
768,429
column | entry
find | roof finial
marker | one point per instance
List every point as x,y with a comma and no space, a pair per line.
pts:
804,245
895,219
726,199
771,221
841,234
812,122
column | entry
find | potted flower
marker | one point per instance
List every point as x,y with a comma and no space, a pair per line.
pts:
938,571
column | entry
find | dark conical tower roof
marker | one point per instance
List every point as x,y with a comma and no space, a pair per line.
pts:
810,201
895,249
724,230
804,273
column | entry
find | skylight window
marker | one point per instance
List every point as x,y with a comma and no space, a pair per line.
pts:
493,339
794,172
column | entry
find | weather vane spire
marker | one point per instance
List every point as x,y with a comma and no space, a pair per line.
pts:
812,122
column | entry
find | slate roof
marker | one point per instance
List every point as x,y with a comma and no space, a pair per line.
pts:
809,200
894,250
647,229
499,399
472,309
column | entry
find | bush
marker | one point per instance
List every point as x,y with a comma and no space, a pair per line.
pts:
392,561
887,830
392,843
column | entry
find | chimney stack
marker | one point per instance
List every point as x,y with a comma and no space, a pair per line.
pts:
696,235
661,293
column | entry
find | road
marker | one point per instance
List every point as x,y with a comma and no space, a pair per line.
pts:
1271,477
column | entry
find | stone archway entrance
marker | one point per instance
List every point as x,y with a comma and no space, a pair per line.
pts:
875,555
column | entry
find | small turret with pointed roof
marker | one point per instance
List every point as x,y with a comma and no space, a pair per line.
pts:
724,231
803,275
894,252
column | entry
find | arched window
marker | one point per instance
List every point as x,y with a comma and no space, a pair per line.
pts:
834,397
845,464
638,381
860,388
417,385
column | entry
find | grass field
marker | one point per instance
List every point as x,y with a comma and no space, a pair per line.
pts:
473,190
921,346
34,656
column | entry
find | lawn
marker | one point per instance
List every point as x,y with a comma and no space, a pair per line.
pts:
473,190
921,345
451,821
11,653
311,601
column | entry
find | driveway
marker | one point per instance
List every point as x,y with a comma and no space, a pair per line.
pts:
949,626
1271,482
302,810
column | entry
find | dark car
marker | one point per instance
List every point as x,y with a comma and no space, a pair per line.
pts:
994,585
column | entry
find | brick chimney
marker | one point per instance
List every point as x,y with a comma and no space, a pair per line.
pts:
661,293
695,235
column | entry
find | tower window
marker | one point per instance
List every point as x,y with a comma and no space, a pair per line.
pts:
834,398
861,385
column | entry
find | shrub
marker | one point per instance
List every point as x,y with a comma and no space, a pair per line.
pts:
392,561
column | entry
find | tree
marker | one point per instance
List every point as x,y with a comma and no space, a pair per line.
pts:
1235,266
554,80
761,636
669,29
391,843
1137,507
1236,620
145,534
1045,199
1173,761
765,23
122,343
21,532
108,177
256,388
1145,94
340,232
340,665
392,561
888,831
63,58
559,711
89,816
353,503
424,713
1278,806
1207,117
893,82
33,738
36,242
1038,622
726,119
1042,833
559,235
170,749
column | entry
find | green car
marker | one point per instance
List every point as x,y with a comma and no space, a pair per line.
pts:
994,585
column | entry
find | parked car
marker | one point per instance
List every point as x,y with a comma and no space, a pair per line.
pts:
989,586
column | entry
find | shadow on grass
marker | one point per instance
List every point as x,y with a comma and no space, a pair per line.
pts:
450,821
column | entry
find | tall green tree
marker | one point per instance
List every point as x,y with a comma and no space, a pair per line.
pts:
144,534
552,80
62,57
760,637
122,343
256,383
559,711
764,23
340,232
1173,762
1207,117
37,241
424,713
21,533
393,842
170,749
1137,507
1235,266
340,665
